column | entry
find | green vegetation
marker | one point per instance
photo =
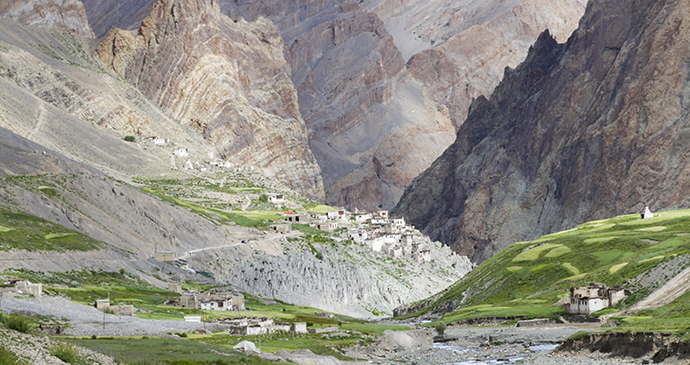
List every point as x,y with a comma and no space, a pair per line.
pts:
16,322
527,278
27,232
66,352
130,139
440,328
168,351
8,357
86,286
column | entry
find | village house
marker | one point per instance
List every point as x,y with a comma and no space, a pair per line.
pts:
164,256
362,217
327,226
182,152
27,287
216,304
383,214
595,297
300,217
332,215
102,304
376,243
378,221
276,198
298,327
122,310
358,235
176,287
399,222
282,228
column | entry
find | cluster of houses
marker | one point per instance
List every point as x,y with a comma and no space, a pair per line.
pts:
20,286
208,301
104,305
378,231
589,299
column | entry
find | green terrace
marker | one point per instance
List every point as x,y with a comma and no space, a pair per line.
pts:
189,194
528,278
27,232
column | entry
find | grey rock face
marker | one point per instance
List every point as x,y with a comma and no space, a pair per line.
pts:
579,131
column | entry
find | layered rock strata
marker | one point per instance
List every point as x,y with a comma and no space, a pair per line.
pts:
584,130
50,14
227,80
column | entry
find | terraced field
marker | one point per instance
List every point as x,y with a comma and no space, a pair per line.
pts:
528,278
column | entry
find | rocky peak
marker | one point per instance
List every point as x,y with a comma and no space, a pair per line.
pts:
226,79
589,129
51,14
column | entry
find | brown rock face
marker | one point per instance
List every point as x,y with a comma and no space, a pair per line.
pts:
356,97
459,49
228,80
123,14
51,14
584,130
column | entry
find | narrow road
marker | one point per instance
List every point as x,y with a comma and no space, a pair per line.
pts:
667,293
189,253
673,289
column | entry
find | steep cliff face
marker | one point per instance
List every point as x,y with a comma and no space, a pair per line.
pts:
228,80
123,14
458,49
374,122
357,98
50,14
588,129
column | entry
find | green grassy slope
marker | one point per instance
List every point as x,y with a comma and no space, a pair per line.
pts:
27,232
528,278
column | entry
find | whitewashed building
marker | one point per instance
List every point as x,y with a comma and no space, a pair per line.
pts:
593,298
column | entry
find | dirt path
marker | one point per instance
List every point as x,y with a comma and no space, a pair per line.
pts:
673,289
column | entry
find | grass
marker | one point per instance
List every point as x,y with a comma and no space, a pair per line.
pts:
86,286
143,350
16,322
612,251
67,352
23,231
8,357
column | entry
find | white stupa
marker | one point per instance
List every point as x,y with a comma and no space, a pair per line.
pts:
647,213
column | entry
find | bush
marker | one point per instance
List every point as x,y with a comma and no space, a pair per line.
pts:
66,352
16,322
130,139
7,357
440,328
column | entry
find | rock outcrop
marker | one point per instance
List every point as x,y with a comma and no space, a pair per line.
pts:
458,49
123,14
50,14
375,123
227,80
584,130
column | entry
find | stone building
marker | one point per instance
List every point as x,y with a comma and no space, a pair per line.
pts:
592,298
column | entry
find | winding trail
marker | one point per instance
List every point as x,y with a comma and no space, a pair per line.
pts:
664,295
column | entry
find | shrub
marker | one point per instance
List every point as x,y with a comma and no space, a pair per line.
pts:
7,357
130,139
440,328
16,322
66,352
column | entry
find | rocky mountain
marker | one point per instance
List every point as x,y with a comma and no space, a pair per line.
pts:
227,80
50,14
459,49
375,122
583,130
63,116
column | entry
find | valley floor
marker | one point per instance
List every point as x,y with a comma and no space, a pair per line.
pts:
497,345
